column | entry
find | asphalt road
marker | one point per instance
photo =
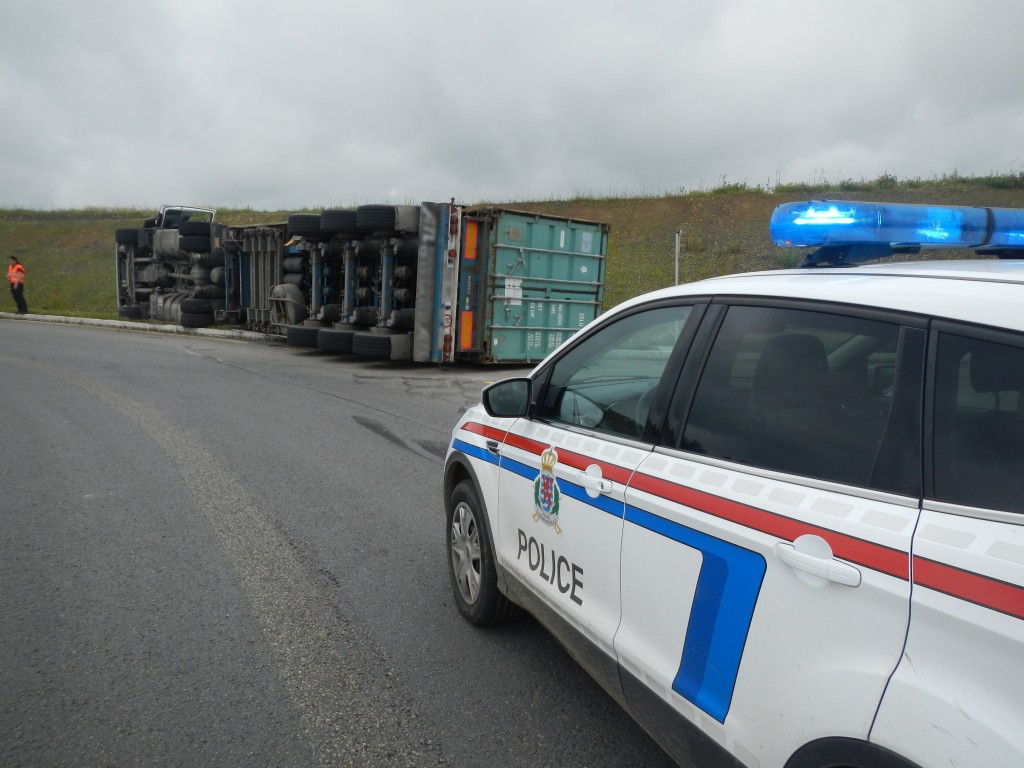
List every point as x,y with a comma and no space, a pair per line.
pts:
230,553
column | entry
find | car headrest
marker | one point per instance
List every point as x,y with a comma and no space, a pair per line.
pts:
996,368
792,372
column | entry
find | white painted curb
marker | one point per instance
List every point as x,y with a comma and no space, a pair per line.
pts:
129,325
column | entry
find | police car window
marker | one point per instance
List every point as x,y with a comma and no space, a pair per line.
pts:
796,391
606,382
979,423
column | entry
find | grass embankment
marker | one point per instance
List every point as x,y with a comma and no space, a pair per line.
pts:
69,255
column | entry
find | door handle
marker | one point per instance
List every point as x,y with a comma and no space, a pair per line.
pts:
592,481
494,447
817,563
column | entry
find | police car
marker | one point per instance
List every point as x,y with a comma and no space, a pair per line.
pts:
779,516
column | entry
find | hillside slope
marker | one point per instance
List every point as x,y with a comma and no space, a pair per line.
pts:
69,255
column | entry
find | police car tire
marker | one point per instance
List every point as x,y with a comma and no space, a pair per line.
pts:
490,606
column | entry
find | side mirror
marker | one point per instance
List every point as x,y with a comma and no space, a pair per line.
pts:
509,399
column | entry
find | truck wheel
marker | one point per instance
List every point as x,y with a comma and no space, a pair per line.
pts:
198,228
338,221
197,306
369,344
304,224
301,335
471,561
195,319
330,313
126,236
194,243
129,313
335,340
375,217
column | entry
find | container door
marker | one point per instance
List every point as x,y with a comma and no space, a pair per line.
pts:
544,281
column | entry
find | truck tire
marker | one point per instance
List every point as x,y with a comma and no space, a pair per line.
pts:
129,313
194,243
195,319
335,221
126,236
371,218
198,228
368,344
335,340
197,306
364,316
302,335
304,225
330,314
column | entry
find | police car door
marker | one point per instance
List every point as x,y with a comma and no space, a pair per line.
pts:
564,473
765,548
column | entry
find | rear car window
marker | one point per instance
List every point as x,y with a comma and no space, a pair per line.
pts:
802,392
978,444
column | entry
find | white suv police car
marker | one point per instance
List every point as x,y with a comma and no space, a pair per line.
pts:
778,516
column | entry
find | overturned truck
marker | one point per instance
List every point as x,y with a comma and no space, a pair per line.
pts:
435,282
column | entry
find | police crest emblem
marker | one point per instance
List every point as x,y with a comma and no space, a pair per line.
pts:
545,491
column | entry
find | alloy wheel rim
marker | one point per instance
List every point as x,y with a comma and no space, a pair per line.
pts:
465,551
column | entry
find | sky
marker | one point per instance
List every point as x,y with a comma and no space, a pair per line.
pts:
333,104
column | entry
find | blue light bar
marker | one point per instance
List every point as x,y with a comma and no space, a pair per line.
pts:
1007,228
841,223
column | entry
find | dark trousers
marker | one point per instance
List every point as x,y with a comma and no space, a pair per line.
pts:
18,292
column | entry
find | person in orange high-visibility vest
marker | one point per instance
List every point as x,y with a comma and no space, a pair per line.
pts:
16,277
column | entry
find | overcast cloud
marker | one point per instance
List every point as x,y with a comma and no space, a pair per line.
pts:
328,104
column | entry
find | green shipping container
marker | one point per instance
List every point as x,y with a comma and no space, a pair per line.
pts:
527,283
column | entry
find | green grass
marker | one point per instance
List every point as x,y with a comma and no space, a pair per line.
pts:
69,255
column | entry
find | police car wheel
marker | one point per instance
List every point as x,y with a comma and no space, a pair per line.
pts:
471,561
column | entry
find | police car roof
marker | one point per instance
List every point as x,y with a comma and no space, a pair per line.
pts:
988,292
